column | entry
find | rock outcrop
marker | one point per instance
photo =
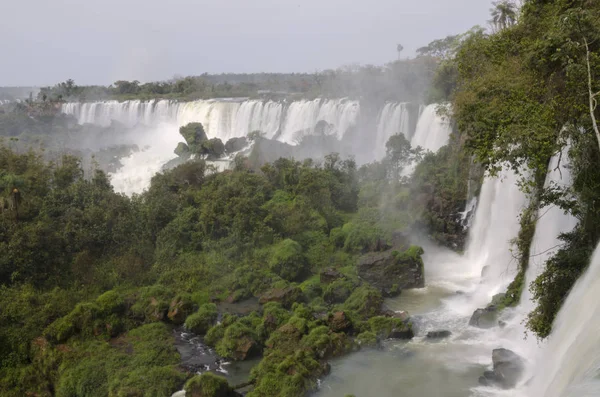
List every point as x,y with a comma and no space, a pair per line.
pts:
508,370
285,296
392,271
488,316
438,334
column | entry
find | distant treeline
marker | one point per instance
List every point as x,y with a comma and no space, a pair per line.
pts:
403,80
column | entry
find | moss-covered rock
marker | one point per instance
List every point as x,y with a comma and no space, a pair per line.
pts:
239,342
180,308
365,300
367,339
284,296
338,291
213,148
392,271
201,321
387,327
208,385
287,260
339,322
111,302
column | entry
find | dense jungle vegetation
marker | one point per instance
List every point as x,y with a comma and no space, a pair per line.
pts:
93,282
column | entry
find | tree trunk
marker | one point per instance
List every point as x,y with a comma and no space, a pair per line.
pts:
592,96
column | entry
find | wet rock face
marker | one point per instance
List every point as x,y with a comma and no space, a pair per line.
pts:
484,318
438,334
487,317
392,271
508,370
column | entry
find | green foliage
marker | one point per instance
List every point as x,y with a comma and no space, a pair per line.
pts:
287,260
194,136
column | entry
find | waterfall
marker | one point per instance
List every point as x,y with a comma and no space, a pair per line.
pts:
551,223
496,222
302,116
393,119
156,124
433,131
225,119
570,363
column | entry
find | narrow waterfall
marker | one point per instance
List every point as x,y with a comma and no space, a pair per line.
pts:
433,131
496,223
551,223
570,363
393,119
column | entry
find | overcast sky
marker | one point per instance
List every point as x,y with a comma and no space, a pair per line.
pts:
43,42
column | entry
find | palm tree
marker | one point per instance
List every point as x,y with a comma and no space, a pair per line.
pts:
504,14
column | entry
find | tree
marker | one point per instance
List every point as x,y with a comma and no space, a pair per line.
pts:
504,14
399,48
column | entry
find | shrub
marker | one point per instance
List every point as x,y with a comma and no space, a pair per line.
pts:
287,260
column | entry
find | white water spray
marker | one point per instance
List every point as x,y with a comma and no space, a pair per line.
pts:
223,119
393,119
433,131
570,365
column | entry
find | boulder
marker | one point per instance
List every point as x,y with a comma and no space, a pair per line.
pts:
339,322
438,334
392,271
182,150
285,296
338,291
213,148
402,332
329,276
179,309
508,368
245,347
401,314
209,385
488,317
235,144
484,318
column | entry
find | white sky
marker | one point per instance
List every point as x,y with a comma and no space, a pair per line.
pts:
43,42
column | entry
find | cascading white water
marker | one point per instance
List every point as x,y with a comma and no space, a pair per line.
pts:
301,117
393,119
551,223
488,250
570,364
223,119
433,131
